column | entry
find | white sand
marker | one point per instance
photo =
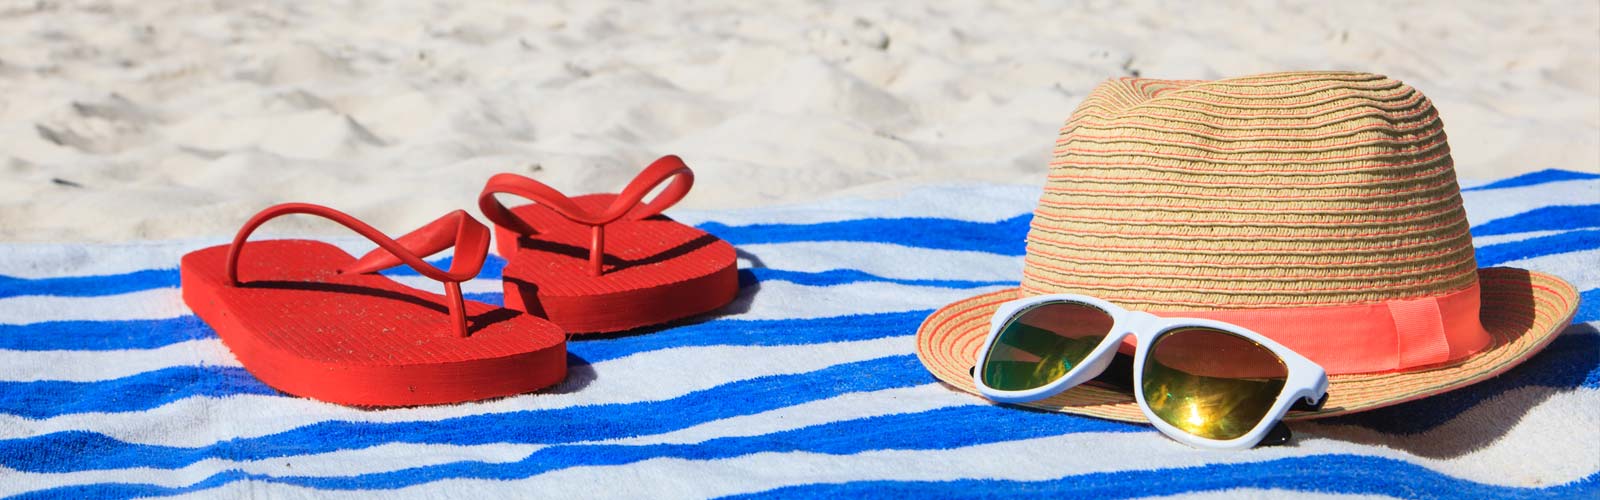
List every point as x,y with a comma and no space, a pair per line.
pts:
131,119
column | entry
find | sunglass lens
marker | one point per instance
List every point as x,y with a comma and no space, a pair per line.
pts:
1042,344
1211,383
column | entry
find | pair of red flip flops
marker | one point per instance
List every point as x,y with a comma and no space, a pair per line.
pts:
311,320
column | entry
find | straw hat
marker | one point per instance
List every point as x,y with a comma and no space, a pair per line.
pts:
1264,199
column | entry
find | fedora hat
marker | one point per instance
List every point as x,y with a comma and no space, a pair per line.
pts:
1317,208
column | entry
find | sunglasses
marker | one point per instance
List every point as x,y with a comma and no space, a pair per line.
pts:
1204,383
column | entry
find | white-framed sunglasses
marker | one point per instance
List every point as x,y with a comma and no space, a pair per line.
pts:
1201,382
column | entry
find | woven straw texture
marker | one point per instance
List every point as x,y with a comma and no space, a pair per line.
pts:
1280,190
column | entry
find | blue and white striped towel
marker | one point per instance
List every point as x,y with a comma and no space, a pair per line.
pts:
807,387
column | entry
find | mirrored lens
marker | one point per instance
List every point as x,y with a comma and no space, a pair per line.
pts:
1211,383
1042,344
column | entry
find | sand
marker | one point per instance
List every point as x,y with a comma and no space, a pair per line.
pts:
128,119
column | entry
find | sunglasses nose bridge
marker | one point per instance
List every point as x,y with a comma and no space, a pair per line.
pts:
1137,321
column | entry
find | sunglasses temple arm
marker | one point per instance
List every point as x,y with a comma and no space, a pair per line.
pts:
1307,404
1279,435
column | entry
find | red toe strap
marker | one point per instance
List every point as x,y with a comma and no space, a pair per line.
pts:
667,167
458,229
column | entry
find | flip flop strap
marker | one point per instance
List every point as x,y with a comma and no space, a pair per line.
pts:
456,229
667,167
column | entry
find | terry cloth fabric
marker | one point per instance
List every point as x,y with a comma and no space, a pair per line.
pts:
806,387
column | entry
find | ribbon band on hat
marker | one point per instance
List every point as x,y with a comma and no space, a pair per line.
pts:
1397,335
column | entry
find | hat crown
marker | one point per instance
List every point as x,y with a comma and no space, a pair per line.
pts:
1277,190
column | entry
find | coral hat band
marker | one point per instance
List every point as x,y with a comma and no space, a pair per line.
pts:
1367,338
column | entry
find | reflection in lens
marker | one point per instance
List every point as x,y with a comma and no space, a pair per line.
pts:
1211,383
1042,344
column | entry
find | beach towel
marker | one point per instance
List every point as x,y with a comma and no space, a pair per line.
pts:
806,386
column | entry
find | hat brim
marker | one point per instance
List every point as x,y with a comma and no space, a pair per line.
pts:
1522,311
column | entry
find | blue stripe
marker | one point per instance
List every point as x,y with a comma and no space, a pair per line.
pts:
496,299
81,450
1346,474
1535,178
494,267
103,335
1568,242
87,286
138,392
1554,218
915,431
1588,307
749,277
152,389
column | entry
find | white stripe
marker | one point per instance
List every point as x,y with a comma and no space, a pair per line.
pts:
886,260
377,459
89,366
156,303
430,285
785,300
1045,459
647,376
1488,205
1581,269
852,406
968,202
1473,182
668,478
400,456
59,260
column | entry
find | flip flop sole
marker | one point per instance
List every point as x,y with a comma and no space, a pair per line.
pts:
657,270
363,339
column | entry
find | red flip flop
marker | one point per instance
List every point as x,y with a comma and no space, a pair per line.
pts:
310,320
608,262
